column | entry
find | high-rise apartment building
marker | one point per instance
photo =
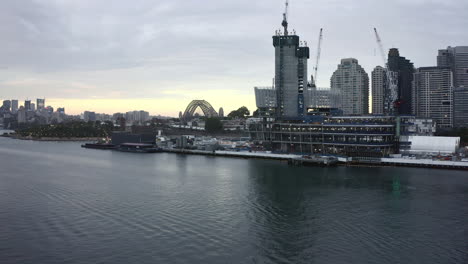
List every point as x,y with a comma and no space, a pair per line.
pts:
434,87
290,75
14,106
456,58
351,82
404,69
379,85
137,116
40,104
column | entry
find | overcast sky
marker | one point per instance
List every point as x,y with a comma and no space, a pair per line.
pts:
155,55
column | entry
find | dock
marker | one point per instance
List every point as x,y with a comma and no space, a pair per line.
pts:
234,154
292,159
426,163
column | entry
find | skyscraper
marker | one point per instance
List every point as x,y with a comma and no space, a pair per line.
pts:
351,81
27,105
33,107
434,87
404,69
379,84
14,106
40,104
456,58
460,107
6,105
291,57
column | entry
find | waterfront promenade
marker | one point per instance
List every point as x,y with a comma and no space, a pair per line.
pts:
426,163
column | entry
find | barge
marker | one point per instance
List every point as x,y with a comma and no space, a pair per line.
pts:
99,146
138,148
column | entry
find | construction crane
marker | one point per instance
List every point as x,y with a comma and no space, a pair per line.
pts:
285,18
317,59
392,96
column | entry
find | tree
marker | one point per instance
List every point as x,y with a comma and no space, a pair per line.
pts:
255,113
213,125
239,113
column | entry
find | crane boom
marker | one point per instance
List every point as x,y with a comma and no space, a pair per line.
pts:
381,48
319,51
391,96
285,18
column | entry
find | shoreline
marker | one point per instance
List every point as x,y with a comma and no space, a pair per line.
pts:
56,139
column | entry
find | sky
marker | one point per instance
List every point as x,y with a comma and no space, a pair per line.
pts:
154,55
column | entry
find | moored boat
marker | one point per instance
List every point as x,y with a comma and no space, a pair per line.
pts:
138,148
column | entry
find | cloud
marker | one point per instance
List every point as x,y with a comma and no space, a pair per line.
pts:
142,49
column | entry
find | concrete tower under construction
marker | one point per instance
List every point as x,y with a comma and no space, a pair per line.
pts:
291,57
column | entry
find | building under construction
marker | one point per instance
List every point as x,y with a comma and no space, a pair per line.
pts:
339,135
294,120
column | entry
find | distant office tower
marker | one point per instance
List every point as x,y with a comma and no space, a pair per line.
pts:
14,106
40,104
180,114
221,112
456,58
434,87
460,107
27,105
61,110
290,75
379,85
89,116
22,115
404,70
49,109
33,107
6,105
351,81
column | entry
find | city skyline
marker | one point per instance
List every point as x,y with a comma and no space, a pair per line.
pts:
125,61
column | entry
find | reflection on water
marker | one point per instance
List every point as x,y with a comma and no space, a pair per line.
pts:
60,203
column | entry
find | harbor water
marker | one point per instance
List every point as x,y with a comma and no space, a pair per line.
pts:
60,203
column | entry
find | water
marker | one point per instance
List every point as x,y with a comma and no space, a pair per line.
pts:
60,203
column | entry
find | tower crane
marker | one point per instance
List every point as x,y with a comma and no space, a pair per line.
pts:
317,59
285,18
391,97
